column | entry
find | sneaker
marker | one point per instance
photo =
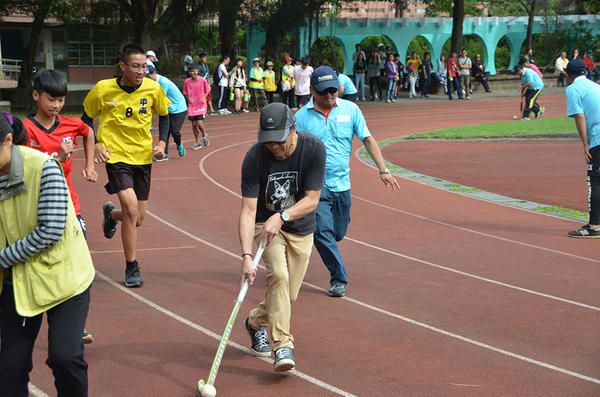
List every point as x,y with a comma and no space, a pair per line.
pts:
224,111
542,110
586,231
109,226
214,112
284,359
132,277
260,341
197,146
246,110
337,290
524,118
87,337
363,98
205,139
376,96
181,150
166,158
152,128
468,98
470,91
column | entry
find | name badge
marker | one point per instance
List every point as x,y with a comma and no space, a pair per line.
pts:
343,117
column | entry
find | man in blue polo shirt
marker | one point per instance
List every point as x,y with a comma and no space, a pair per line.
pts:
335,122
583,104
531,87
177,110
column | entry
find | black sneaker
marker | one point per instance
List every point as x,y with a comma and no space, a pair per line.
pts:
260,341
284,359
109,226
586,231
132,277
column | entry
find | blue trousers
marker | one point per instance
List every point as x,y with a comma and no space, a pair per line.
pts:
333,217
454,85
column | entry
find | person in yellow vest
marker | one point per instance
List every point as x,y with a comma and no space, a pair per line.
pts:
288,83
45,267
256,85
270,85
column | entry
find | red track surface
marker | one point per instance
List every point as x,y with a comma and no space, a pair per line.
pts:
448,295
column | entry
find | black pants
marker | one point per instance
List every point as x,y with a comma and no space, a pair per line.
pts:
593,180
269,96
483,80
530,98
65,346
561,79
175,124
223,98
372,82
289,98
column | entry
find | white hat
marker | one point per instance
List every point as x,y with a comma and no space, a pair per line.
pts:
256,59
152,54
378,45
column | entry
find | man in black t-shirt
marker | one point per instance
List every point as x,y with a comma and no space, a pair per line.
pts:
282,177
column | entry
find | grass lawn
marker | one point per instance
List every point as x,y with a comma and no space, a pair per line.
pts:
505,128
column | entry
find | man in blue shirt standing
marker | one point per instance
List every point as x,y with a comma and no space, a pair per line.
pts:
335,122
531,87
177,110
583,104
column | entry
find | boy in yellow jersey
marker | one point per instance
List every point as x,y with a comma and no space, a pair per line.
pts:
125,106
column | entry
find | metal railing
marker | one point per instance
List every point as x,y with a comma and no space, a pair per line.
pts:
11,68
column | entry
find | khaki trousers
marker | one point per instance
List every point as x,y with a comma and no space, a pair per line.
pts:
286,259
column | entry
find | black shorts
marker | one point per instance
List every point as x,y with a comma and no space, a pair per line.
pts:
593,168
199,117
123,176
302,99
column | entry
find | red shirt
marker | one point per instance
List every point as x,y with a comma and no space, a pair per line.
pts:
589,63
452,66
48,141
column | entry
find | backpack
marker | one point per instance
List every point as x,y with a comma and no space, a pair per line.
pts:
216,76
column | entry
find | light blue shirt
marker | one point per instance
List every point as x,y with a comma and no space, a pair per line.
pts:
529,76
337,131
178,104
349,87
583,96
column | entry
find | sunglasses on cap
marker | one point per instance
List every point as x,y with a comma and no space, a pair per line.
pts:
330,90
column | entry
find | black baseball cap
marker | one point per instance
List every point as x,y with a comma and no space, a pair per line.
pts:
276,119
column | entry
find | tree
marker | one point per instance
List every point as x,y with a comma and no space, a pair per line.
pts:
457,10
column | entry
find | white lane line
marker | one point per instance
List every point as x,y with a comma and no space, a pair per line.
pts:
478,232
35,391
213,335
549,366
357,302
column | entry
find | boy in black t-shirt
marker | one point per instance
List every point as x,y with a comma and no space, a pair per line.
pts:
282,177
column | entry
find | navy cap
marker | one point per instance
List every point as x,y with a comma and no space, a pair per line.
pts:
151,69
276,119
323,78
576,67
517,68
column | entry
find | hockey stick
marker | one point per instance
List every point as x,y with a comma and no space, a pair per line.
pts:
225,338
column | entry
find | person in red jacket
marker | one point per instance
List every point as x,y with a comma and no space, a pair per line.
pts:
592,73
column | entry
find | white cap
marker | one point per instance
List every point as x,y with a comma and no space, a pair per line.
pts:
378,45
152,54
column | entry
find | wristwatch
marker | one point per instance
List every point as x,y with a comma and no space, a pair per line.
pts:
285,217
386,171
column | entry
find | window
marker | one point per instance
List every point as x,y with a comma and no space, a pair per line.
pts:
80,54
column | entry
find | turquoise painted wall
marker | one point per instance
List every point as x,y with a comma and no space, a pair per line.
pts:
401,32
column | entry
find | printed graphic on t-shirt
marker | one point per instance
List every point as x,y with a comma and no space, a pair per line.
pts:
280,190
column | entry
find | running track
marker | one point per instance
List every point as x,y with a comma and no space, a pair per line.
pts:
448,295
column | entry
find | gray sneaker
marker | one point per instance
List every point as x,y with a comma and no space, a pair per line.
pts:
284,359
260,341
197,146
205,139
337,290
133,279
